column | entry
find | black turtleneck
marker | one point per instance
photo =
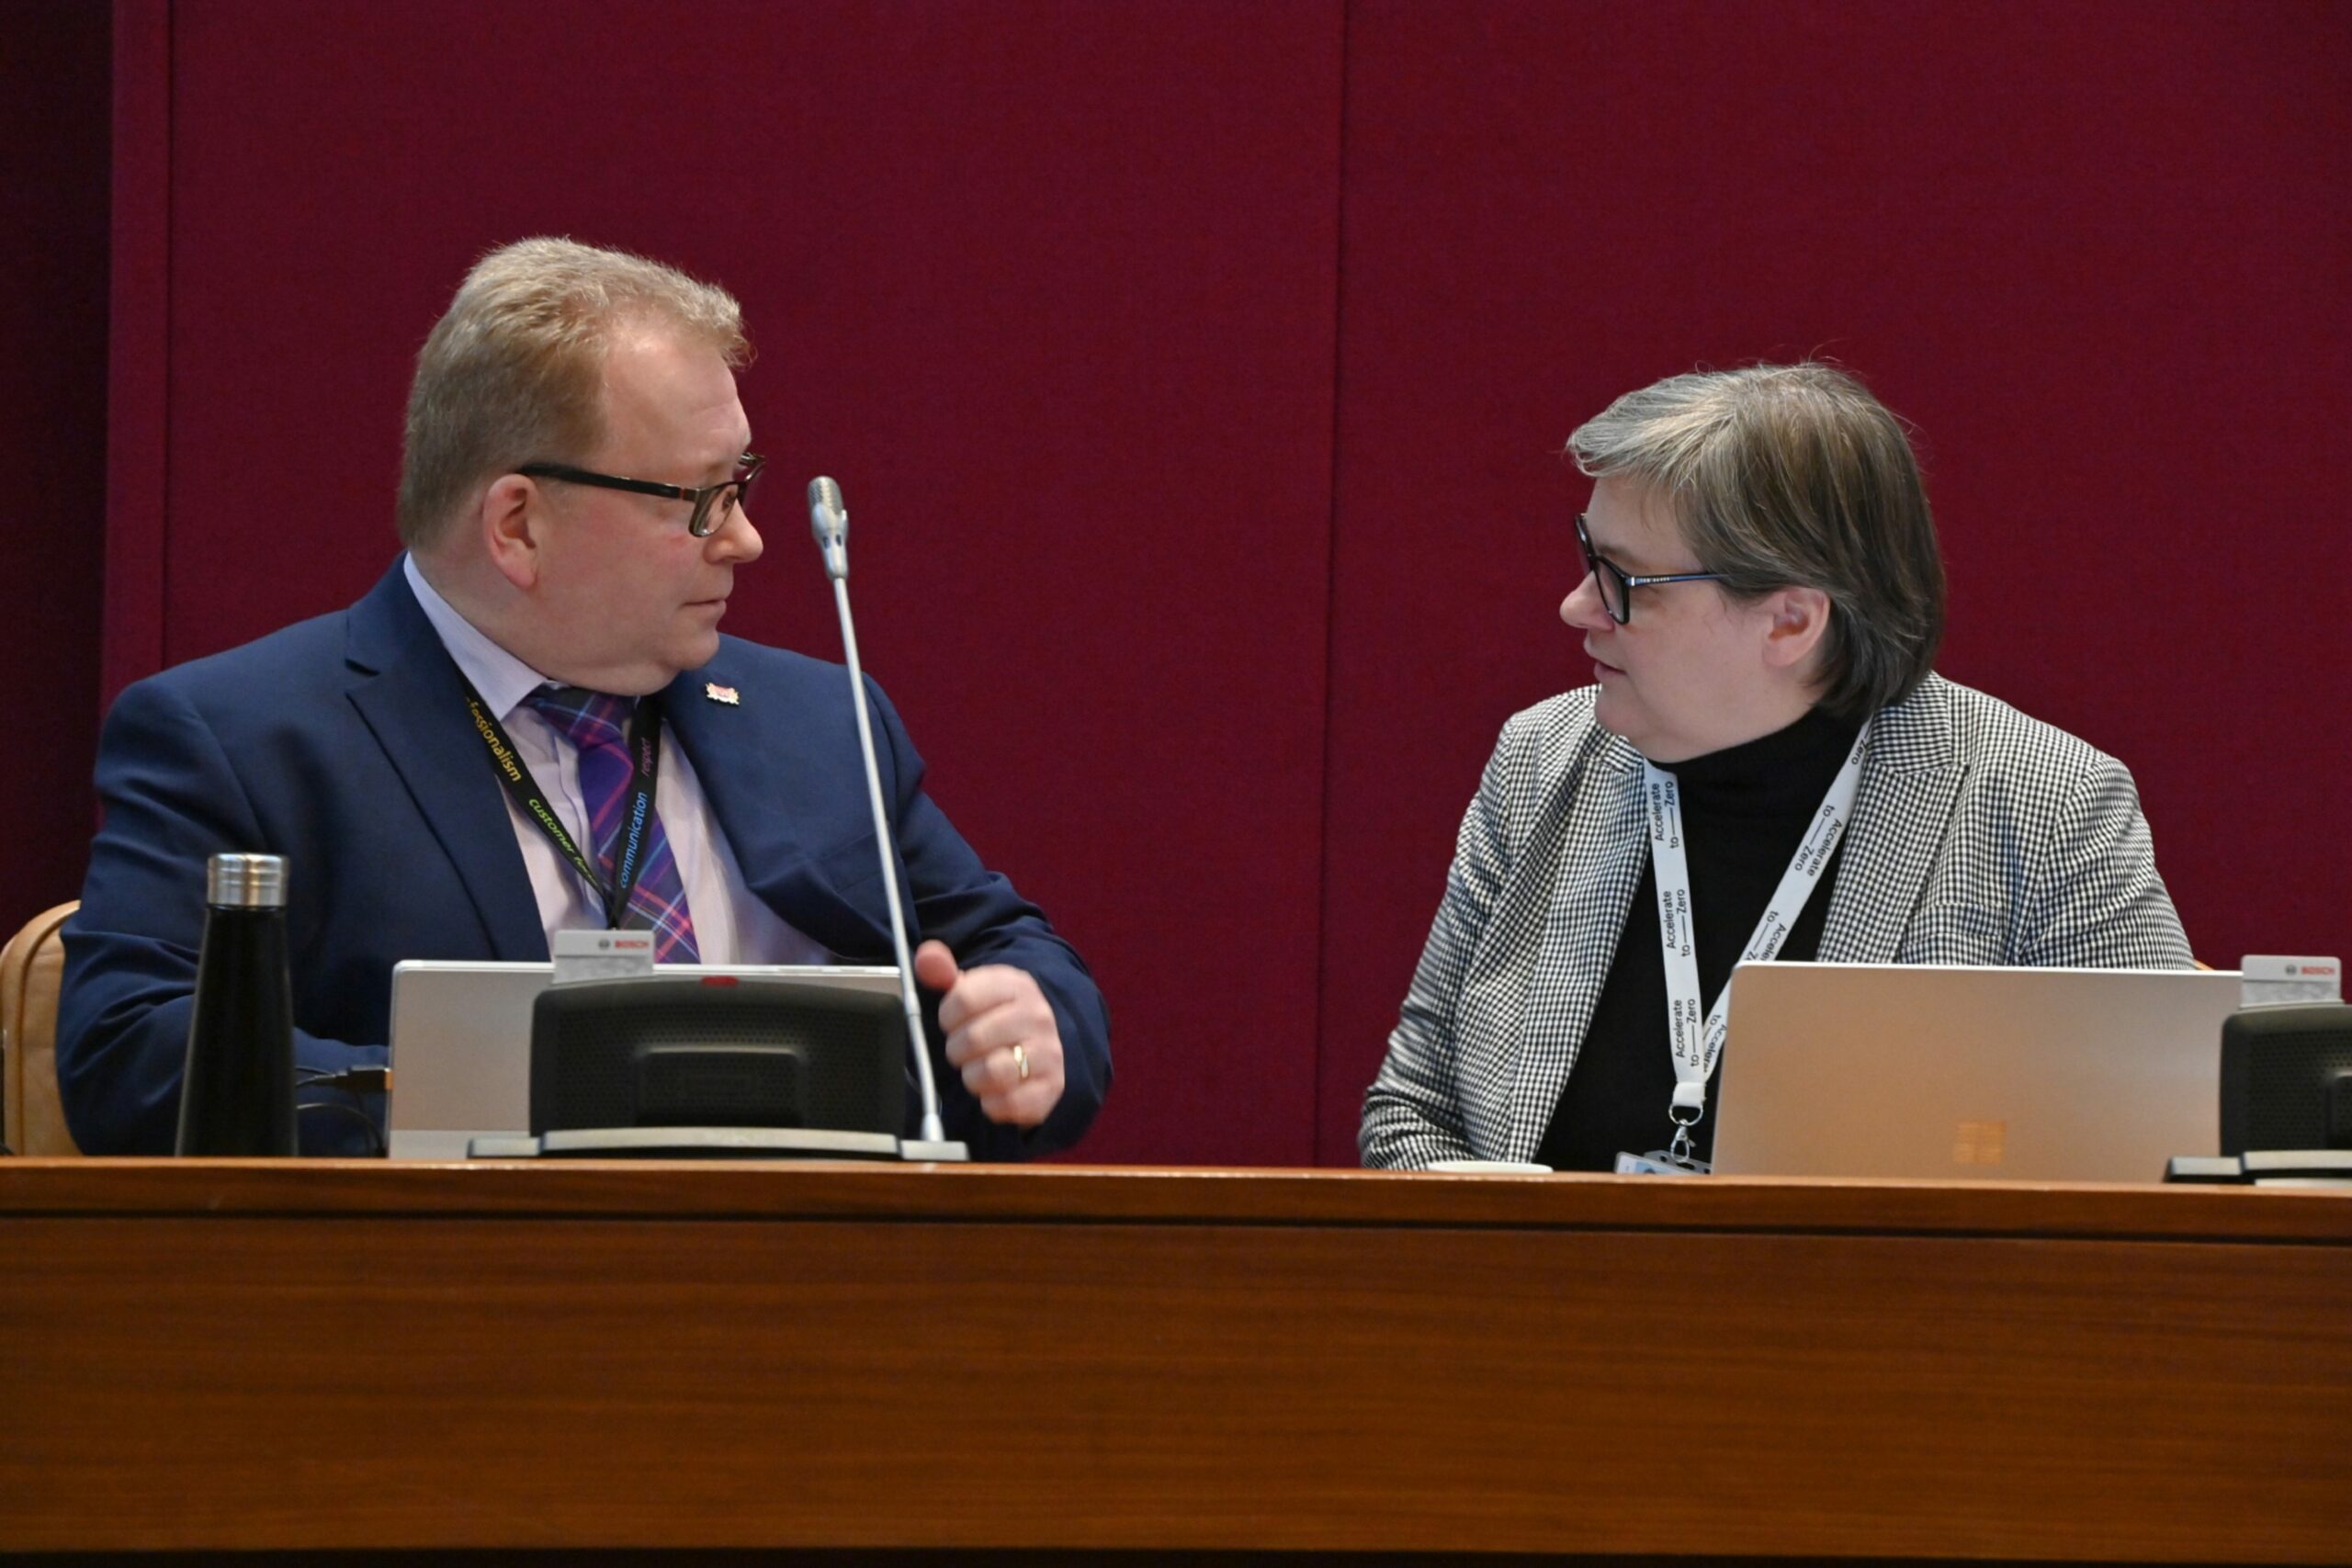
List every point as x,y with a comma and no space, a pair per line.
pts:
1743,811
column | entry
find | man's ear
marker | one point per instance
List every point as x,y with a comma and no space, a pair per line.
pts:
513,522
1799,621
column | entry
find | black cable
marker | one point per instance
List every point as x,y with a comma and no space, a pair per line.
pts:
375,1139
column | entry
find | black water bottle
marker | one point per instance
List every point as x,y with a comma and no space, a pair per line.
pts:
237,1093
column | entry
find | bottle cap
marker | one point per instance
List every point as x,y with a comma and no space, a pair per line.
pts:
245,882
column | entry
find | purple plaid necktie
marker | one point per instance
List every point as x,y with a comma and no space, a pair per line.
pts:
598,724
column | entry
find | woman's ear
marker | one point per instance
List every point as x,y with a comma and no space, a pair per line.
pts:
1799,621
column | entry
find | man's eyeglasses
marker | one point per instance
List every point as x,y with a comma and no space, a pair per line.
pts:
713,504
1617,584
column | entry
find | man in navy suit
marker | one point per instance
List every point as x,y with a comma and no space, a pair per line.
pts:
572,504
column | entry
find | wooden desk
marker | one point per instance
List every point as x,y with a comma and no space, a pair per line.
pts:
212,1354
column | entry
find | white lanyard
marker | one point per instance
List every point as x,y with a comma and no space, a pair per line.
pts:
1698,1044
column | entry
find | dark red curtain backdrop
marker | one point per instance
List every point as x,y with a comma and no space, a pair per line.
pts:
53,71
1195,373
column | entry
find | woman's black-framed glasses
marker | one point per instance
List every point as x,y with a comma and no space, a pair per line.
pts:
1617,584
714,504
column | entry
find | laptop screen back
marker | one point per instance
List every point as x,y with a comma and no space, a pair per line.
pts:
1916,1070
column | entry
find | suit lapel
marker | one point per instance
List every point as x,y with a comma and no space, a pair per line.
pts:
785,814
1583,898
413,699
1901,814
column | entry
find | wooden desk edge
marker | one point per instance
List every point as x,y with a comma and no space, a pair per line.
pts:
841,1190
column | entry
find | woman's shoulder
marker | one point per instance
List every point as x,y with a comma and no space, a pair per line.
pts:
1555,734
1567,715
1943,723
1545,748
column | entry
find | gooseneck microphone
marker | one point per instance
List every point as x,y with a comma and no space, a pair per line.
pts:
828,521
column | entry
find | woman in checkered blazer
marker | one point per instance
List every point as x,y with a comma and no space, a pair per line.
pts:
1762,601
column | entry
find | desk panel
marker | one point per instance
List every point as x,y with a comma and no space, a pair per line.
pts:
305,1355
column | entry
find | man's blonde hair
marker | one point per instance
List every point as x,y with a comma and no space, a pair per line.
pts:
512,373
1794,474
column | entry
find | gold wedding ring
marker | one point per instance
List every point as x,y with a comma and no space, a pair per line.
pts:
1021,1061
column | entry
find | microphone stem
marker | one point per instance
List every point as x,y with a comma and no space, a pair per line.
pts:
931,1130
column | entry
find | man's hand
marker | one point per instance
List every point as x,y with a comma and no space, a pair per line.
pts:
1001,1033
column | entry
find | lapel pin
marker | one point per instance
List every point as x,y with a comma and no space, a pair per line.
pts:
719,694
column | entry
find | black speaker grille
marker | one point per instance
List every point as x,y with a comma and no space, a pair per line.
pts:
667,1052
2286,1096
2278,1065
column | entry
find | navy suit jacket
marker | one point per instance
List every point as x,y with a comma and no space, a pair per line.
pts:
343,744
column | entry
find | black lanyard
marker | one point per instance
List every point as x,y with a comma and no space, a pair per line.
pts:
645,747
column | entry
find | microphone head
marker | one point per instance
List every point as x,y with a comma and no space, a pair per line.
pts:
826,512
828,521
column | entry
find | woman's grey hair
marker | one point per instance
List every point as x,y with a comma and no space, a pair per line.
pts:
513,372
1794,474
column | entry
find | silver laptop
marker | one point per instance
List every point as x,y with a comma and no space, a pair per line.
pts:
461,1043
1914,1070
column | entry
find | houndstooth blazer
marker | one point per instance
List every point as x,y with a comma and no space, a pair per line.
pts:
1980,836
